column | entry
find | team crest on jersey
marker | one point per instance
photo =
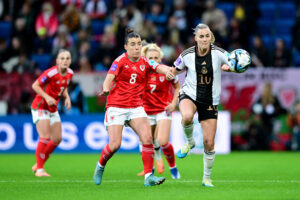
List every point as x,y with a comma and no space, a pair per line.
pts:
161,78
142,67
204,70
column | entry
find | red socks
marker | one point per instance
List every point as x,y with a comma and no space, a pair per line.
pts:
40,152
147,157
169,154
50,148
105,155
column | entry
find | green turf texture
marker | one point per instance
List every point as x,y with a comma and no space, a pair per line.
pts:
239,175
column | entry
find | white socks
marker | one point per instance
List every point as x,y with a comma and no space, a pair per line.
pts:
208,158
188,131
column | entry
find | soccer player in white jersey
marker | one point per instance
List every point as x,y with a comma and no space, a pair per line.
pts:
201,92
159,102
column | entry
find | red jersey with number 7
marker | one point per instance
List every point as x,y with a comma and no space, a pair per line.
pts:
54,84
130,81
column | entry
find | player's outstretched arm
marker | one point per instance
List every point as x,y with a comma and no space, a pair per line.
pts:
37,88
172,106
106,84
67,99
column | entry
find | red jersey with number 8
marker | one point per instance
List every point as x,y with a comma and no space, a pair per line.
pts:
54,84
130,81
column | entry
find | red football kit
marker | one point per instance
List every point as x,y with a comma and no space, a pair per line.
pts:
54,84
130,81
158,93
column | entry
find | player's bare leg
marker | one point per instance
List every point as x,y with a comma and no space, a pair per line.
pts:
209,128
142,127
115,139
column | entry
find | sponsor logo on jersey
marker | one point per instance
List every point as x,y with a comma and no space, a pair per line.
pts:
126,66
153,78
142,67
161,78
57,82
134,68
43,79
114,67
178,61
203,63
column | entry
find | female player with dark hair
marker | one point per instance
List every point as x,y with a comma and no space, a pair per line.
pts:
201,92
159,103
125,84
50,86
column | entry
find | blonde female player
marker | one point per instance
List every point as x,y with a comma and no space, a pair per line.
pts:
159,103
50,86
201,92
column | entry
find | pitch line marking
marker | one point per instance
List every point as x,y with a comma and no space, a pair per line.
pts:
136,181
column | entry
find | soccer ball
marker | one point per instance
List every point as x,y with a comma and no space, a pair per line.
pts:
239,60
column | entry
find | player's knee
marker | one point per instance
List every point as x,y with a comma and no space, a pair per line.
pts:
208,144
187,119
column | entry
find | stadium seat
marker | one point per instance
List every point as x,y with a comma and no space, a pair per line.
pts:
268,10
228,9
5,28
97,27
265,26
287,10
268,41
296,57
283,26
43,61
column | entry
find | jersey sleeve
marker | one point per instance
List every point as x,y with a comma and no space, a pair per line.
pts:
43,78
114,68
153,65
225,58
179,63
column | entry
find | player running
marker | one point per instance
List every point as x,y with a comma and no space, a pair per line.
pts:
125,84
201,92
159,105
50,86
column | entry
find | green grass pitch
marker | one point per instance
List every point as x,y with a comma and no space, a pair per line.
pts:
241,176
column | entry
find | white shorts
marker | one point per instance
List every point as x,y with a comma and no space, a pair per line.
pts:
153,119
121,116
38,115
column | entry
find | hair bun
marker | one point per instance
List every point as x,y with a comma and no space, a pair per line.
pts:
129,30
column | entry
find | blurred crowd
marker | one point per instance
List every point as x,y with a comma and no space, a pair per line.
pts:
32,32
93,30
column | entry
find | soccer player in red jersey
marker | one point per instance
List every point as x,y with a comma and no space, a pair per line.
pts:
159,103
125,84
50,86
